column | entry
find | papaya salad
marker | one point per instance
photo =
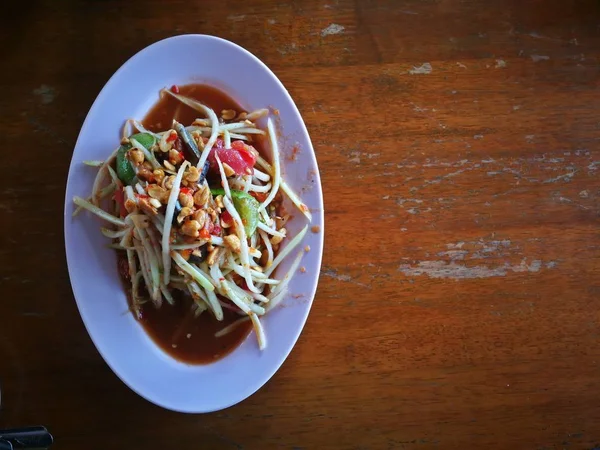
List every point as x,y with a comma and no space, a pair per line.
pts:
196,210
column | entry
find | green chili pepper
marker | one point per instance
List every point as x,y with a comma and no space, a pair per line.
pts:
146,139
124,168
246,206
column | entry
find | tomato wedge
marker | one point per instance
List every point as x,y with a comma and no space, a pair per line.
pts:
240,157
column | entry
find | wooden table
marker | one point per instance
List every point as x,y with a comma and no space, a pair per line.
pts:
458,143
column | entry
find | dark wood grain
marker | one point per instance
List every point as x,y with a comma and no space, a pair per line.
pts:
458,143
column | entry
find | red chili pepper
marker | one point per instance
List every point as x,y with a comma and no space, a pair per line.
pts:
175,89
182,156
204,234
185,190
172,137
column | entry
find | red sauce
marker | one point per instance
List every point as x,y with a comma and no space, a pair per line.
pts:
170,325
168,107
187,338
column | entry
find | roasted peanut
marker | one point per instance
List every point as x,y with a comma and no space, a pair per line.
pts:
145,174
277,239
159,175
136,156
167,183
147,207
166,141
197,137
175,157
154,202
185,211
200,217
228,114
201,196
212,213
169,166
228,170
191,228
233,243
157,192
186,199
213,256
192,175
130,205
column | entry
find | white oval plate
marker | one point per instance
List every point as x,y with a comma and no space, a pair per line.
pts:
102,303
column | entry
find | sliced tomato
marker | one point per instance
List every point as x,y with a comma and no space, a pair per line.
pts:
240,157
246,152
